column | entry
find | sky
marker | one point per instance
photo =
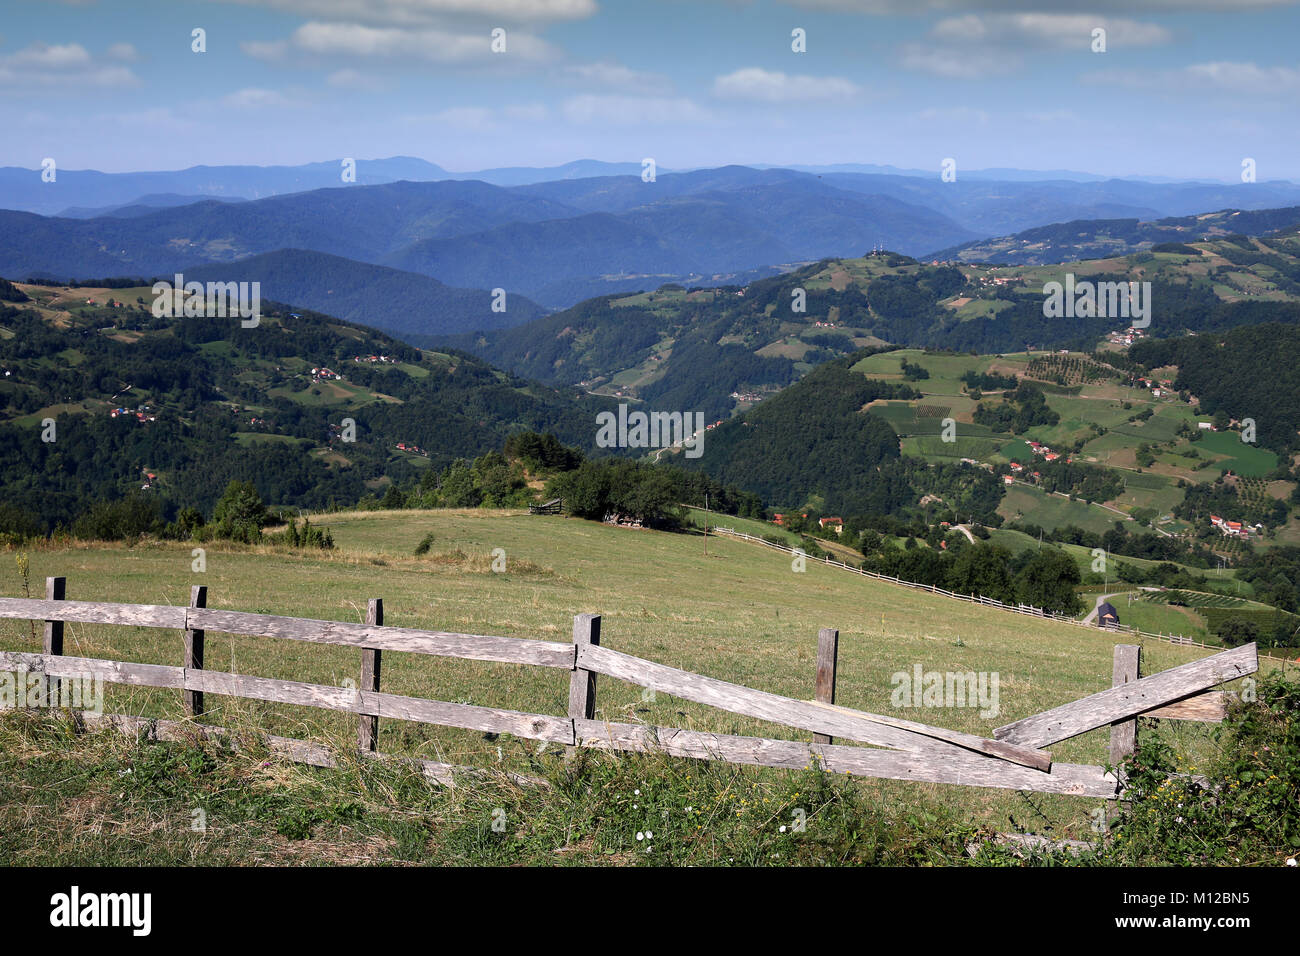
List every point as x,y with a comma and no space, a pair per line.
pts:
1183,88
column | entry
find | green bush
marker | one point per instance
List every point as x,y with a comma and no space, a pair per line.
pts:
306,536
239,514
1242,809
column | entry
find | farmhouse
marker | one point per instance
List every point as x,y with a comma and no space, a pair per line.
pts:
836,523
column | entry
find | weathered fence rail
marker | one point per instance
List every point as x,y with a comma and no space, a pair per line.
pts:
899,749
970,598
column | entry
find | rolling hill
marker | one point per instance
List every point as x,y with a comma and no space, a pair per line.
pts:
1102,238
176,408
24,189
719,349
406,304
748,619
358,222
466,233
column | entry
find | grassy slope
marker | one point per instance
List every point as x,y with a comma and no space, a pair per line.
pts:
740,614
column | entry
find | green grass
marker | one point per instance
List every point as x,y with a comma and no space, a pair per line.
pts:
1156,618
740,614
697,517
1243,459
249,438
107,799
1029,504
933,447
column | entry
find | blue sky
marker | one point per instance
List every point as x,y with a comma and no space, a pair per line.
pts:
1185,88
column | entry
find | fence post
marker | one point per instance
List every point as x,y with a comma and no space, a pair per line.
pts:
194,651
582,682
828,646
55,589
1123,733
368,731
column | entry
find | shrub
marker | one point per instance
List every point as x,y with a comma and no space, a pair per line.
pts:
1246,807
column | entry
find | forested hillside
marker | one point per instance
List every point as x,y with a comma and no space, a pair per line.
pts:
402,303
719,349
1249,372
1100,238
174,409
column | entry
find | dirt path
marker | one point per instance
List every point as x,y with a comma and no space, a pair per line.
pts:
1101,598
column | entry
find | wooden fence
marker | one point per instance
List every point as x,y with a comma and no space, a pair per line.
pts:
972,598
900,749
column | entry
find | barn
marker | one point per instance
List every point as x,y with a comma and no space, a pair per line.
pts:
1107,616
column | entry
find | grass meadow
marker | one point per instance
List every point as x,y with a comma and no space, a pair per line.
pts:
741,613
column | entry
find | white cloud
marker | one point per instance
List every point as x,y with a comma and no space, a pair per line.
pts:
156,119
528,113
123,51
632,110
43,56
349,79
1125,6
1245,77
767,86
255,98
418,45
605,75
418,12
1059,30
265,49
975,45
60,67
969,63
480,119
1248,79
471,118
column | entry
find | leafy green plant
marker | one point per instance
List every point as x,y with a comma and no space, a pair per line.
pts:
1244,808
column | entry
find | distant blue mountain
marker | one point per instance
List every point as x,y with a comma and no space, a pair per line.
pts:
140,207
82,193
24,189
559,239
401,303
555,236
